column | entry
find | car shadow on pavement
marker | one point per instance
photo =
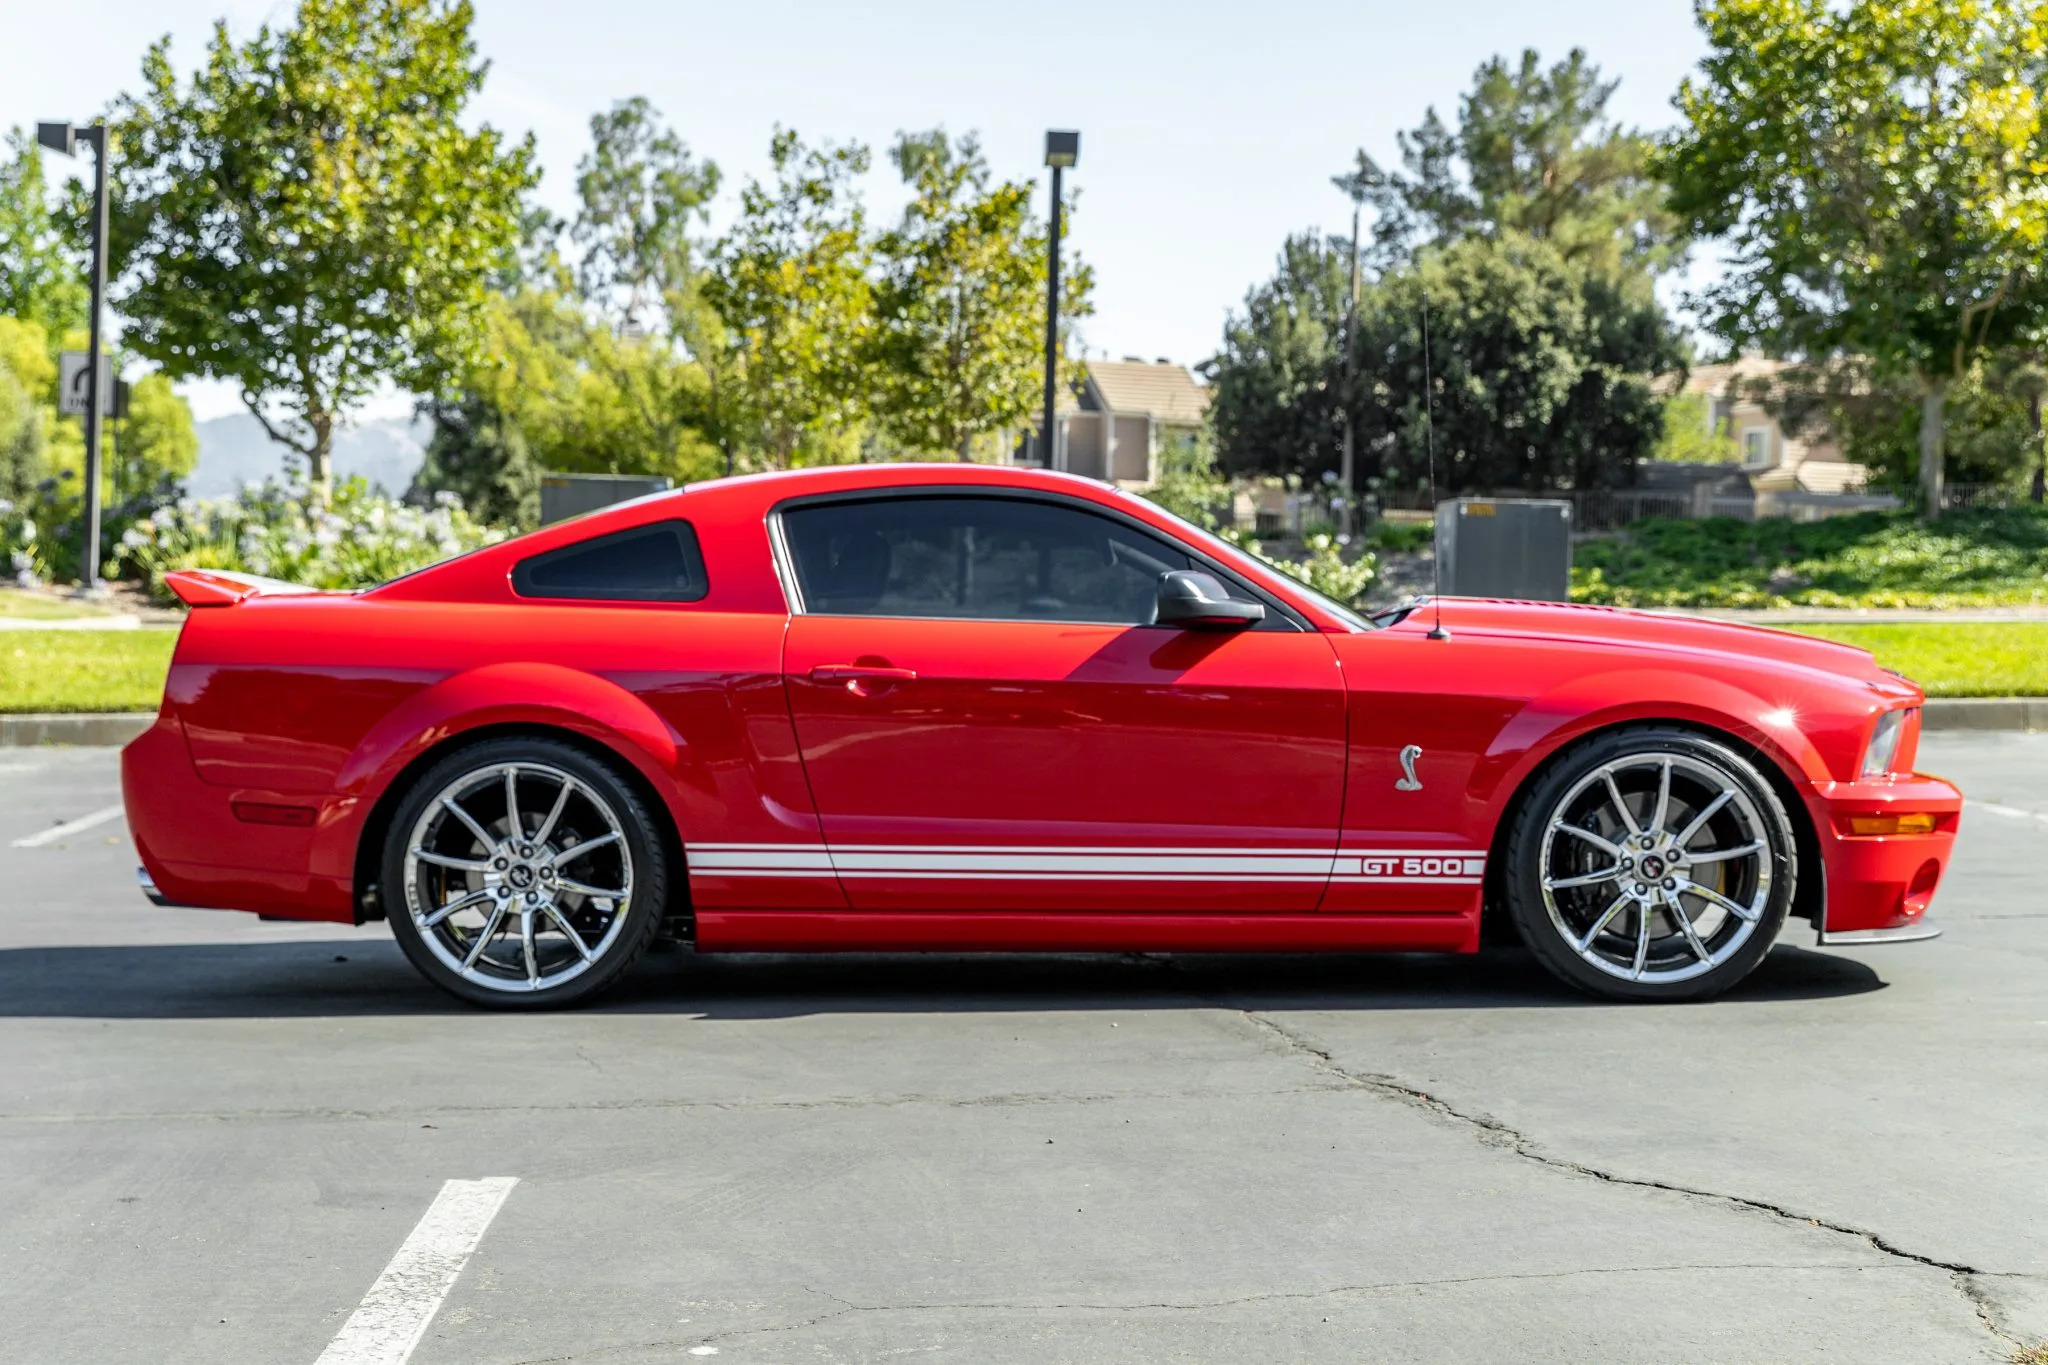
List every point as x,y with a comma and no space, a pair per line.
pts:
357,977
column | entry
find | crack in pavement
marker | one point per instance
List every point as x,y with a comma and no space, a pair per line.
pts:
1498,1134
847,1307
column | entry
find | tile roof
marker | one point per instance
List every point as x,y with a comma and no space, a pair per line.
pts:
1164,390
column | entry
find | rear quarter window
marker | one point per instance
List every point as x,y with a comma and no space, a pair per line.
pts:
655,563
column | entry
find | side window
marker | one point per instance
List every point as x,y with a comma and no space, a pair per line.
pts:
980,558
657,563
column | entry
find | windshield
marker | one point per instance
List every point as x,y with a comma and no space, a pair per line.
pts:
1218,548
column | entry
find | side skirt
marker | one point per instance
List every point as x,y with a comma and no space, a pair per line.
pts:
840,931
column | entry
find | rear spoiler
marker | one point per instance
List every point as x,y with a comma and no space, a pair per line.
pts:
222,588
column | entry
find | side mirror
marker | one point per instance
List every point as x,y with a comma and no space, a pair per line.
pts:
1196,601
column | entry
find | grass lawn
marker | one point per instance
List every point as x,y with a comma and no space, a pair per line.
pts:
83,670
1956,659
1976,558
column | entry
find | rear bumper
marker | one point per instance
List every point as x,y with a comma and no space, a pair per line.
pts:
197,852
1878,887
155,893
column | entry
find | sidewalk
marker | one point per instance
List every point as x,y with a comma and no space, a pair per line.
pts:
1876,616
118,621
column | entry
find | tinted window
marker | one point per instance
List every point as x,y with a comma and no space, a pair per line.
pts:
995,559
658,563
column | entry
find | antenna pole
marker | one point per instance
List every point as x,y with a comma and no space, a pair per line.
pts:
1436,561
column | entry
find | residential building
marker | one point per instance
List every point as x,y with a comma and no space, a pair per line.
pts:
1776,461
1113,426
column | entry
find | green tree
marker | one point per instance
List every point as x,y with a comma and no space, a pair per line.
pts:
579,396
2024,374
24,437
1542,370
961,303
643,199
1276,382
153,448
1534,153
479,454
1190,486
41,280
25,372
1879,170
791,286
1687,437
309,216
1988,433
38,444
1539,218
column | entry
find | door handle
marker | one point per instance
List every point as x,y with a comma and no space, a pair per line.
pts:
861,679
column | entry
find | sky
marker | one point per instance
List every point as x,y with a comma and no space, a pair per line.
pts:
1209,128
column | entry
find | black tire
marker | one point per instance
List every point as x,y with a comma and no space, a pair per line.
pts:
616,845
1661,941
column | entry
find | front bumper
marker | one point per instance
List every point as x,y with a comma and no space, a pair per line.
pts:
1878,887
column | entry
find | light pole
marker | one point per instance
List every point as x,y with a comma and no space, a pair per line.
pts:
1062,149
1354,185
61,138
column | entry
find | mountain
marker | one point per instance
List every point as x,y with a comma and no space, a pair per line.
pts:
234,450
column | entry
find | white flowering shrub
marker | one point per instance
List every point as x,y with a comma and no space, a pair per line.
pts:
273,529
1325,567
17,546
1329,572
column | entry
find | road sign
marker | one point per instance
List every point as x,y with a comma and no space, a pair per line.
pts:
71,388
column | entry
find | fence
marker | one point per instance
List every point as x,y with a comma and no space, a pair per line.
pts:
1957,496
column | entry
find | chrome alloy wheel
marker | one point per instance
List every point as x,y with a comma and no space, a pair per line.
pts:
1656,868
518,876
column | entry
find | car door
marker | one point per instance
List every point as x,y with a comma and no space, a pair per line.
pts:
988,720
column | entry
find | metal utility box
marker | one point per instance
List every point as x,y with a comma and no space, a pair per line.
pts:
571,495
1505,547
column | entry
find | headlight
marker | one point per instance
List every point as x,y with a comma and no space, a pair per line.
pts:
1884,744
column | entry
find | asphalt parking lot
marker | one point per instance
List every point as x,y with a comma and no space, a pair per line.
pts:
216,1135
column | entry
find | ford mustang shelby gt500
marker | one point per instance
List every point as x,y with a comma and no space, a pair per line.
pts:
954,707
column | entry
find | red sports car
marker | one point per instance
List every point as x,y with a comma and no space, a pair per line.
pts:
955,707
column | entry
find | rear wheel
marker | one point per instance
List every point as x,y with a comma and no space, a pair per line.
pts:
1651,864
524,873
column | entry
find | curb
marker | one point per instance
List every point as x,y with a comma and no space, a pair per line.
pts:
1985,713
111,728
115,728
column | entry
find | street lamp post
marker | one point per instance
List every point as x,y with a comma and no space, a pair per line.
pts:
1354,185
61,138
1062,149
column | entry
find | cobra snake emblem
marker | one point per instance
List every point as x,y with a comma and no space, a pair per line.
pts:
1409,782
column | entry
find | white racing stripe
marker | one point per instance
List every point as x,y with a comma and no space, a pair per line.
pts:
393,1316
981,862
83,822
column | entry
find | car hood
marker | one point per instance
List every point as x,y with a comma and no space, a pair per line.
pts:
1620,626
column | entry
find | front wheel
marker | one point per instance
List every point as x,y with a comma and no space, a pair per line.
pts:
1651,863
523,873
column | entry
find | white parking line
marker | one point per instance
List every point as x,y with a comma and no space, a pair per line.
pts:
2010,812
393,1316
83,822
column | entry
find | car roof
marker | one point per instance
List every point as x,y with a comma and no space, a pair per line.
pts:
777,485
729,514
